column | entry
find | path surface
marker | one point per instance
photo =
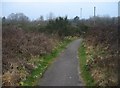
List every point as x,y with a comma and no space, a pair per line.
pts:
64,71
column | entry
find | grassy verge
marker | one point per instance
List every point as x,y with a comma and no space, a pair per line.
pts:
87,78
44,62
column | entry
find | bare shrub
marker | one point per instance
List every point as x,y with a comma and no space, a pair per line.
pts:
104,42
18,48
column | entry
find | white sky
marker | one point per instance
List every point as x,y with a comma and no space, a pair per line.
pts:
34,8
60,0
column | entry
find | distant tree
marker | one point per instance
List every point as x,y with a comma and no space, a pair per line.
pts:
60,26
12,16
18,17
3,19
41,18
76,18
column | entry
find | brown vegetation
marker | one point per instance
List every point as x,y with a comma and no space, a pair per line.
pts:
102,53
23,40
18,48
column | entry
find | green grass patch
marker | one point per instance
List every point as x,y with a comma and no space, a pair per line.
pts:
43,63
85,73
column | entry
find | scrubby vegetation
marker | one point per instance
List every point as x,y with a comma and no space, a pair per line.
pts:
29,46
43,62
85,73
101,43
19,49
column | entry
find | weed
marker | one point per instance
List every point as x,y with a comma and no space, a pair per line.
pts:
42,66
86,75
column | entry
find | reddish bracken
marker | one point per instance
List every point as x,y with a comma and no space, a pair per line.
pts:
19,46
104,47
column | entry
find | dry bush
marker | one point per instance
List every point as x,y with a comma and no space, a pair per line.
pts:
102,46
18,46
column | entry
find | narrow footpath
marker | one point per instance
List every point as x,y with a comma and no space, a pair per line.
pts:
64,71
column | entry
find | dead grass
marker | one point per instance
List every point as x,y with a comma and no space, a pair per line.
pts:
102,51
19,47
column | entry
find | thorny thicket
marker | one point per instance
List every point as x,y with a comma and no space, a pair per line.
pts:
101,42
18,48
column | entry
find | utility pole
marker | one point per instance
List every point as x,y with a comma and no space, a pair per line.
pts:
81,13
94,11
94,14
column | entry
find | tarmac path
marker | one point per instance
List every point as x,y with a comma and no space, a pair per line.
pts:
64,71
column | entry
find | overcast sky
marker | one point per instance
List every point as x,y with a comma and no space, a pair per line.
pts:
33,9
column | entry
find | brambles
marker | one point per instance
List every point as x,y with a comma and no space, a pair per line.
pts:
85,68
101,49
25,42
18,49
25,52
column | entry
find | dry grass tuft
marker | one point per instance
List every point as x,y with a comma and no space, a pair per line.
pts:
102,47
19,47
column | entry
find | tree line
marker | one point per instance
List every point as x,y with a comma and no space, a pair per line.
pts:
61,26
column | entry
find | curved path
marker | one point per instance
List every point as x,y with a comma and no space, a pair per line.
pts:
64,71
